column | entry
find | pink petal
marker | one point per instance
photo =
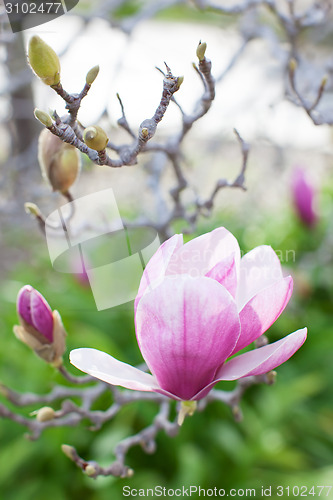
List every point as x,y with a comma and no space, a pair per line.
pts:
104,367
264,359
186,328
258,269
262,310
201,254
24,303
225,273
304,196
157,265
41,315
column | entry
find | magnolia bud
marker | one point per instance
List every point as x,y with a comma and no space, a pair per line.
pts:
40,328
59,162
144,132
35,312
43,117
44,414
44,61
32,208
129,473
201,49
69,451
92,75
180,80
90,470
95,138
304,197
271,377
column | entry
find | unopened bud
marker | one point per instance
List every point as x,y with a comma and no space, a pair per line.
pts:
40,328
60,162
95,138
201,49
44,414
44,61
324,81
292,65
31,208
180,80
69,451
90,470
130,473
43,117
35,313
271,377
144,132
92,75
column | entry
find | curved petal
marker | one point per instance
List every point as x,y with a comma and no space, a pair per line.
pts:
259,268
225,273
262,310
264,359
201,254
186,328
104,367
157,265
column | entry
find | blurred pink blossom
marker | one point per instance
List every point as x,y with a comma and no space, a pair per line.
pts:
304,195
198,304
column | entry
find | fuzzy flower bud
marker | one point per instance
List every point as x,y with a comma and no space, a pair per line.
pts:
32,208
40,328
44,61
95,138
69,451
60,162
180,80
90,470
43,117
44,414
201,49
92,75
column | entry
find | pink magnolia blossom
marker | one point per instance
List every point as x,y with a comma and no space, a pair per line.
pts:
304,196
35,312
40,327
198,304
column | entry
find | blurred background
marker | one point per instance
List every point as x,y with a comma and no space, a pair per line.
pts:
286,436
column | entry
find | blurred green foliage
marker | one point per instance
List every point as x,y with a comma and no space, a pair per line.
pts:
285,438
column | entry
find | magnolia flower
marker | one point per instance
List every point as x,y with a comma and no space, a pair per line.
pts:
303,194
40,327
198,304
